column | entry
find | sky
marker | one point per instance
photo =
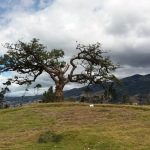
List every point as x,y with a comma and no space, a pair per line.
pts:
121,26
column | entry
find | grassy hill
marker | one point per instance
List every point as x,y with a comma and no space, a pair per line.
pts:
71,126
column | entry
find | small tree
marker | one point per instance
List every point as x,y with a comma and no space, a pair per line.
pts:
49,96
88,93
2,95
25,92
37,87
110,93
1,98
125,98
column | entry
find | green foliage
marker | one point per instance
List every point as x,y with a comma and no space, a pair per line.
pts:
31,59
37,87
110,92
95,67
2,95
1,98
125,98
50,136
49,96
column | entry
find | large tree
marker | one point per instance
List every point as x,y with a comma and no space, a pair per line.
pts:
32,59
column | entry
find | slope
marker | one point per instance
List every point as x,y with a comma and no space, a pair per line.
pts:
75,127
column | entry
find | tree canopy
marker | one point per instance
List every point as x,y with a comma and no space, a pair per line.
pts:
31,59
48,96
95,68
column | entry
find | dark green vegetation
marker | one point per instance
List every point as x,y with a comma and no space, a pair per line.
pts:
48,96
69,126
2,94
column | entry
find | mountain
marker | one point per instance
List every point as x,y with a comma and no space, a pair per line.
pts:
131,86
13,101
76,92
136,87
136,84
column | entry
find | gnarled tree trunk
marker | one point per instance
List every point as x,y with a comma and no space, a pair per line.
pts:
59,92
60,81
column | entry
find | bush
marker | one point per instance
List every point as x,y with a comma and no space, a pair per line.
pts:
49,96
49,136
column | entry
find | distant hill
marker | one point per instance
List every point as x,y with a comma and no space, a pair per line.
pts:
131,86
19,100
136,85
76,92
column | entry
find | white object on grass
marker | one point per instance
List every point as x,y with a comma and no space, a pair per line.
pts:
91,105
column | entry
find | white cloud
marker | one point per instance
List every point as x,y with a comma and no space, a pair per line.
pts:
121,26
27,3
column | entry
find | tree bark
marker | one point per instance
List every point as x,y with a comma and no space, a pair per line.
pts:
60,81
59,92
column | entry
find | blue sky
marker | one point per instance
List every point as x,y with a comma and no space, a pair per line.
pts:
8,5
11,6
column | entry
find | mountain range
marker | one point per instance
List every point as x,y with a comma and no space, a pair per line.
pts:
136,84
131,86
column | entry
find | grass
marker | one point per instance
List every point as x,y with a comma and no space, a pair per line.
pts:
70,126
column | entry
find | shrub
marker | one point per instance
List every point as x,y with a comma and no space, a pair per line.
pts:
49,136
49,96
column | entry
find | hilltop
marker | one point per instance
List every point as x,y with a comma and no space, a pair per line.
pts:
69,126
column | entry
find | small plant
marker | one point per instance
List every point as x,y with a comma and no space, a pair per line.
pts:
2,95
49,96
49,136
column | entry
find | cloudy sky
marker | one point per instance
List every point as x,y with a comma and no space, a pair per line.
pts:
122,26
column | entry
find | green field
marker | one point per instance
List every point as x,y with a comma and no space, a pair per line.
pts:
69,126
